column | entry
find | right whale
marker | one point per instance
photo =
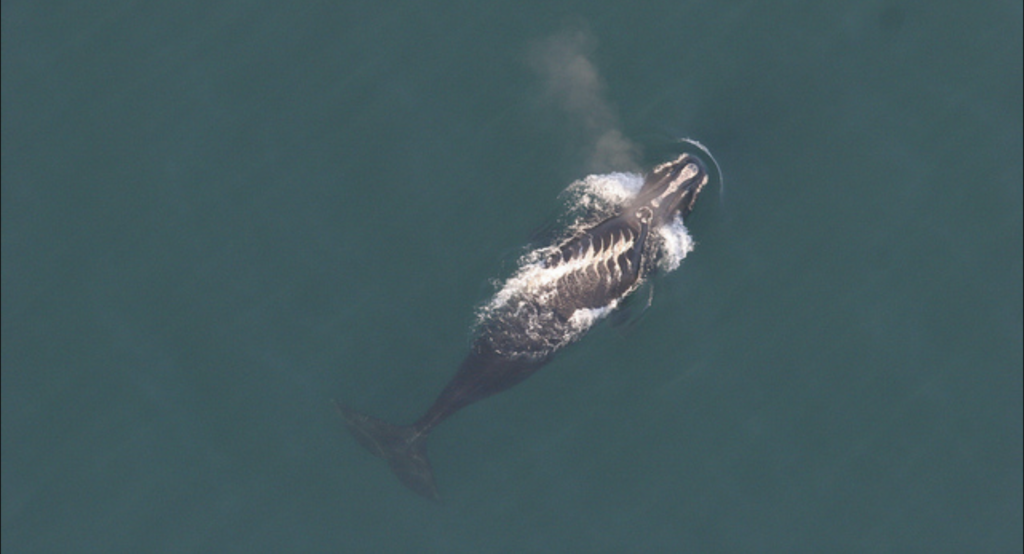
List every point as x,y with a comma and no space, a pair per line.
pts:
557,294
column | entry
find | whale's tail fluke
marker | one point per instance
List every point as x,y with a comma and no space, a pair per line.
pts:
403,447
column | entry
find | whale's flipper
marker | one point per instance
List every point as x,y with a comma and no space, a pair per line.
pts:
404,448
630,311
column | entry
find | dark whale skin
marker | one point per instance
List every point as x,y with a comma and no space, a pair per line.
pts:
577,280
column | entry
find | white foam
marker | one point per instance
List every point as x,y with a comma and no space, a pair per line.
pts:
585,318
676,243
602,192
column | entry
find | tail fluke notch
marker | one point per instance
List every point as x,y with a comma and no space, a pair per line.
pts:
403,447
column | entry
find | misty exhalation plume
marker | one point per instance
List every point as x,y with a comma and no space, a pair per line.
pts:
572,81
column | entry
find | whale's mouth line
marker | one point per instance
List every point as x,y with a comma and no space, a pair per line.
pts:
718,168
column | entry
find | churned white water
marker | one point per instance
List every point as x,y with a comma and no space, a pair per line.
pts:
676,243
602,192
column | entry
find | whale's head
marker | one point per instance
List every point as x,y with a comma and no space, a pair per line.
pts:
669,189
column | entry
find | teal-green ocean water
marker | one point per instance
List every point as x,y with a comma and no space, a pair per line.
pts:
218,217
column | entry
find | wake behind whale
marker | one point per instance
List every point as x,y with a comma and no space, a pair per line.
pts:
618,229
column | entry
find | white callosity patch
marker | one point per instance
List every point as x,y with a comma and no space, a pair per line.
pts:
521,319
